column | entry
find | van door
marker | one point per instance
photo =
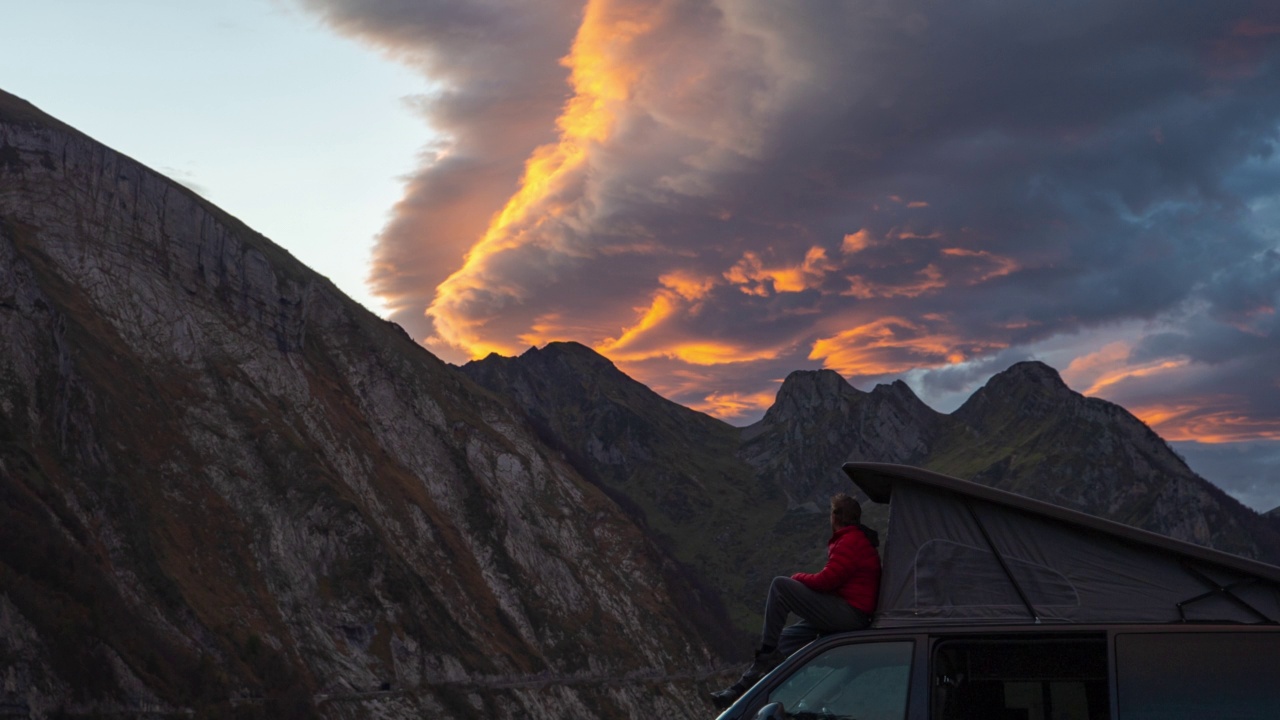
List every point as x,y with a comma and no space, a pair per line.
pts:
1020,678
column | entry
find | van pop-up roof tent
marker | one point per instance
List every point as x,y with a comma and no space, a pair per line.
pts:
962,553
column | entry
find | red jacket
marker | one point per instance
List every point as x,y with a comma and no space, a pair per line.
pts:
852,571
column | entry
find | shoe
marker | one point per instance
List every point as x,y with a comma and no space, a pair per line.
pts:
760,667
724,698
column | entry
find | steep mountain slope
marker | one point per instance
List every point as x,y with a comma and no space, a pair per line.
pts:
226,487
675,468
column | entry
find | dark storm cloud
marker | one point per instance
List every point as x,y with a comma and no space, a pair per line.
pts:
719,192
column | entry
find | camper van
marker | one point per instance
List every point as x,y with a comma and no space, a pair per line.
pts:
998,607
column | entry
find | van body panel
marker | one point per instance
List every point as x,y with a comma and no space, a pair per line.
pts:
1027,672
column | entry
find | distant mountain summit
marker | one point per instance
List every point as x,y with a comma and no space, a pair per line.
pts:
1027,432
819,421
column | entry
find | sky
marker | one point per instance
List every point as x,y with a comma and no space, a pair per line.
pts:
715,193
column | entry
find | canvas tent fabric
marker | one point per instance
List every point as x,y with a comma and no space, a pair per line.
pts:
958,552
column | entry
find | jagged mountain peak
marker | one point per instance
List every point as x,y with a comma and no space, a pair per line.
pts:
568,347
556,358
1032,372
806,392
559,372
1028,389
897,391
16,111
573,353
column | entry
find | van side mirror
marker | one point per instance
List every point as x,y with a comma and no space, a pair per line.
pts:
772,711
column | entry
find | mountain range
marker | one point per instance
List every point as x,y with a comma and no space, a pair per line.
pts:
228,490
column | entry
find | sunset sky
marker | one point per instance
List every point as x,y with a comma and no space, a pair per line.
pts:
716,193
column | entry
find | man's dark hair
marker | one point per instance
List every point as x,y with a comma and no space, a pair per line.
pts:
845,509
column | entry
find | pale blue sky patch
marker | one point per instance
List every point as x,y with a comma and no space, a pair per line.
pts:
302,134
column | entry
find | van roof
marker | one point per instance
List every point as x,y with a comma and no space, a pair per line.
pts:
961,552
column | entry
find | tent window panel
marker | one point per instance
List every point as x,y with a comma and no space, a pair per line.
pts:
1186,676
951,574
1021,679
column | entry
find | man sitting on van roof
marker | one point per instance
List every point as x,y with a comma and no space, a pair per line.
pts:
841,597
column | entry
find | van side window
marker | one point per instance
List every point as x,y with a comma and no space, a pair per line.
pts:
1224,676
866,681
1021,679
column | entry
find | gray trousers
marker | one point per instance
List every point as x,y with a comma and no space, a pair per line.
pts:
819,613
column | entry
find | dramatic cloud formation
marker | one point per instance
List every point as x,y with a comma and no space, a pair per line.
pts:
714,193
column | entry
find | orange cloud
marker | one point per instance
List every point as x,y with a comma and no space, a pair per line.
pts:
716,353
664,305
999,265
1207,421
894,345
855,242
1086,370
966,267
693,352
646,340
1118,375
912,235
730,406
929,279
601,81
553,327
754,278
688,285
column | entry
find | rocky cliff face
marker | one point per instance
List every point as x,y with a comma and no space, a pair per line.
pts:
225,487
